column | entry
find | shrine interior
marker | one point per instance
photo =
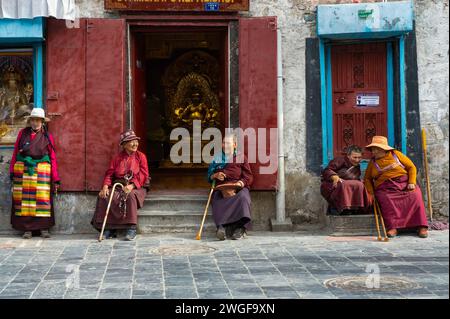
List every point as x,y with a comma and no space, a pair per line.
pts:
180,77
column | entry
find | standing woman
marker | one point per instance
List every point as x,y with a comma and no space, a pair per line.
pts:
33,172
130,168
391,177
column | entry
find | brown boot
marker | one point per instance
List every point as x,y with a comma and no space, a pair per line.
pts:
391,233
423,232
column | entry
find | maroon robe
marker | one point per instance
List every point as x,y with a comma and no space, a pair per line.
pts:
400,207
118,217
35,145
348,194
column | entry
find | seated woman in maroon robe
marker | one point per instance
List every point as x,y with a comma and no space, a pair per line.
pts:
130,168
341,185
231,199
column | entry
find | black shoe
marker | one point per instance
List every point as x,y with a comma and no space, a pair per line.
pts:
109,233
239,233
332,211
131,234
220,234
229,230
27,235
45,233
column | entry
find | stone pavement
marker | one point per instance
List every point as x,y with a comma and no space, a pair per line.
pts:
264,265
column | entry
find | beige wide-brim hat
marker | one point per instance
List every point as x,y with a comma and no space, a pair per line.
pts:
38,113
381,142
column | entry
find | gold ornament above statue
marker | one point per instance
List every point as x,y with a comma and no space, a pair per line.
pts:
194,100
190,85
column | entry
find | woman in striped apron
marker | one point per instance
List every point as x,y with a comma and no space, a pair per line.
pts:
33,171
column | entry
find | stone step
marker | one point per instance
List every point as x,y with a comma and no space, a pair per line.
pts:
353,225
176,202
151,221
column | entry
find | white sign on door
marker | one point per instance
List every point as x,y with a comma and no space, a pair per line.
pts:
367,99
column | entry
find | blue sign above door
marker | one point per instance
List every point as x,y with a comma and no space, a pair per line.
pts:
21,30
364,20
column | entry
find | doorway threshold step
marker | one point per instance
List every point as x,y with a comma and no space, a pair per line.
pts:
352,225
151,221
167,213
175,203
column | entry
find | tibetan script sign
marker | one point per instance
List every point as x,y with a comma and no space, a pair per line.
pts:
177,5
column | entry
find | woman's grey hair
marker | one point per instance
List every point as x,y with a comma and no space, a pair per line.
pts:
353,148
231,135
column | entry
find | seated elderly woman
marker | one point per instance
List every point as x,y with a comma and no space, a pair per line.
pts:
231,198
342,186
129,168
391,177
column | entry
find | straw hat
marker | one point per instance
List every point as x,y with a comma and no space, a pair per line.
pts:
38,113
381,142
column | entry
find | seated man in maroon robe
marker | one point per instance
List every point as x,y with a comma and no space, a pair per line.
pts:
231,199
129,168
342,186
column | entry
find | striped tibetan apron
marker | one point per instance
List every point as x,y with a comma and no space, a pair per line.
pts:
31,189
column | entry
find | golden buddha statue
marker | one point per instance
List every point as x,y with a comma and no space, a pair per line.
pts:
196,110
14,102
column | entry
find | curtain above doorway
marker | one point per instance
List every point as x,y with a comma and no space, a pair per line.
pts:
29,9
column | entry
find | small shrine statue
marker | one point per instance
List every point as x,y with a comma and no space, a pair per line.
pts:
14,102
196,110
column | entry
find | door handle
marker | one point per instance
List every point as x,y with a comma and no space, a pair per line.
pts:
341,100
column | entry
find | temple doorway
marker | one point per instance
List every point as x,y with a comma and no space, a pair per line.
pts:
179,75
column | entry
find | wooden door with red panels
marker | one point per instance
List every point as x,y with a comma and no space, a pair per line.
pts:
359,100
258,90
85,69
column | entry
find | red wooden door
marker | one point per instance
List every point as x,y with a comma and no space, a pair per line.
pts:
359,94
105,95
65,73
258,86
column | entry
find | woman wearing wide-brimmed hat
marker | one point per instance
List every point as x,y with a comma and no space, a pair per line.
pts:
130,168
33,172
391,177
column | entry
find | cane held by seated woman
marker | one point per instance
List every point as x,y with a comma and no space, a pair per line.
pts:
377,211
107,209
199,234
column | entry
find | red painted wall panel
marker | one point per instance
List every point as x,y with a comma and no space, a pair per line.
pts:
105,95
258,84
65,73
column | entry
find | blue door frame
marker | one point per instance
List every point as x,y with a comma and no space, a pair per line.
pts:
327,102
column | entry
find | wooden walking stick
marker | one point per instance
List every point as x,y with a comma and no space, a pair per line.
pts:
199,234
107,209
382,220
377,223
427,178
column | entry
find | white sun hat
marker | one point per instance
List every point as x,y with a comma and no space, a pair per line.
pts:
38,113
